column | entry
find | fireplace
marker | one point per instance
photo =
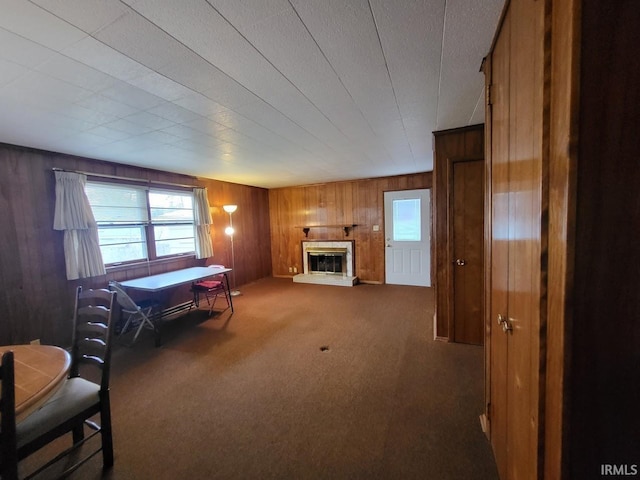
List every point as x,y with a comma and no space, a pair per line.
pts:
328,263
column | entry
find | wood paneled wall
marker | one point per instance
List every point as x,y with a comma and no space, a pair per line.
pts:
450,145
36,298
604,329
357,202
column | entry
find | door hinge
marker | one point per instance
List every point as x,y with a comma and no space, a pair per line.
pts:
489,97
488,412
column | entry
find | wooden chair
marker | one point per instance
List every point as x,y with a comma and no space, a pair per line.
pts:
8,447
211,289
137,314
78,400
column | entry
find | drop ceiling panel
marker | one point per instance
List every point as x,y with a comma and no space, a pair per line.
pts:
466,39
263,92
22,50
88,15
30,21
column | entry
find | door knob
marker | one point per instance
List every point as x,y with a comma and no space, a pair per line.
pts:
460,261
506,325
501,319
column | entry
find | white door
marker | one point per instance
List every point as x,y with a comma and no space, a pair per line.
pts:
407,232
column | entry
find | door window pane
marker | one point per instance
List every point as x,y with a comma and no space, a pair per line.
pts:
406,220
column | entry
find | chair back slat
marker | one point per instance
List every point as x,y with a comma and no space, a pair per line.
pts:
93,329
92,346
93,360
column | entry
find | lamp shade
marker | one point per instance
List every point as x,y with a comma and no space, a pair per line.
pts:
230,208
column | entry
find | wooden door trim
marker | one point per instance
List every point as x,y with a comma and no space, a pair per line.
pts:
449,260
487,65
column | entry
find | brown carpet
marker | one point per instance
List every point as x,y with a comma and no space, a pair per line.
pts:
253,395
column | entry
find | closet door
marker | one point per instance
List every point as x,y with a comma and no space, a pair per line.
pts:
499,266
517,239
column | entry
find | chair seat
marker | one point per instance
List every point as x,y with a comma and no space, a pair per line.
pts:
74,397
206,285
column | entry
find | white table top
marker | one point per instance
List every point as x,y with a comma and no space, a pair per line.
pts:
155,283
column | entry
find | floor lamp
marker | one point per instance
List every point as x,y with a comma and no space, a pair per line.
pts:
229,231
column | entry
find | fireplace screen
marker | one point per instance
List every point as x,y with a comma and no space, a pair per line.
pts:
327,261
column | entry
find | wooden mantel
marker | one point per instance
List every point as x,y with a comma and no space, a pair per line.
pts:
307,228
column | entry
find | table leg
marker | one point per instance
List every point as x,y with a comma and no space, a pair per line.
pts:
226,278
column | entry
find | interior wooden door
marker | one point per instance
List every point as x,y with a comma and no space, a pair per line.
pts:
467,213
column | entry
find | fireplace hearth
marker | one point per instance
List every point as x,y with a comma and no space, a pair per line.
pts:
327,263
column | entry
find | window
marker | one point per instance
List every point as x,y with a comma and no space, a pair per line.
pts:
406,220
136,223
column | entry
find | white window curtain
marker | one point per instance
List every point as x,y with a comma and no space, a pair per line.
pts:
202,216
73,215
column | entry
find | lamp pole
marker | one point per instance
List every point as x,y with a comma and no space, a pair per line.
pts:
230,231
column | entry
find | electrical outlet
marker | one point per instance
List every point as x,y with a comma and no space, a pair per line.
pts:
290,269
376,228
295,269
35,342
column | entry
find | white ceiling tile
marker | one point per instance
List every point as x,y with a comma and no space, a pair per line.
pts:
157,137
88,15
160,86
204,125
139,39
149,120
109,133
465,44
133,129
10,71
100,103
200,104
23,51
173,112
128,94
478,112
182,131
32,22
95,54
75,73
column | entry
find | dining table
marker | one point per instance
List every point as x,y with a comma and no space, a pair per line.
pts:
161,282
39,371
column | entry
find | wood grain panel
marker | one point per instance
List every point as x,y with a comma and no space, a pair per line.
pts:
562,194
36,298
357,202
604,380
450,145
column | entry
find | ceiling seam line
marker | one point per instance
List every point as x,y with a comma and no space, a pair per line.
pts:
444,30
278,70
226,75
334,71
393,90
185,86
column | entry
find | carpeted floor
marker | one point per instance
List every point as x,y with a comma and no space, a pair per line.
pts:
301,382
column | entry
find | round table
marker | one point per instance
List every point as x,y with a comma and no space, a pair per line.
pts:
39,371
